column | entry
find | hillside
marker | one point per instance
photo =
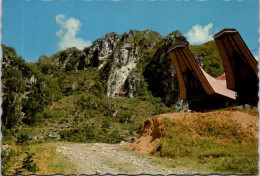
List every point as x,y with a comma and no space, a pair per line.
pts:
225,141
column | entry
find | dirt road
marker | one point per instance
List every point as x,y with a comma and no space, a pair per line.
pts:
100,158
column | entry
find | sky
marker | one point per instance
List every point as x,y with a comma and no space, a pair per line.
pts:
43,27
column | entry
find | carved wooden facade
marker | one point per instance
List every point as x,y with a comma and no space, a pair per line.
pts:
239,82
240,66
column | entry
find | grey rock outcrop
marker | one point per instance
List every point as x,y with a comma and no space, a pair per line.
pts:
68,59
132,81
125,59
182,105
160,73
93,56
97,54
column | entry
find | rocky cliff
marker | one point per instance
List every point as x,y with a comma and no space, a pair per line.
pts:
97,54
160,73
131,65
128,63
125,72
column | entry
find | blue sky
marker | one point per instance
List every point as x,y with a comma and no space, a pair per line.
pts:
36,27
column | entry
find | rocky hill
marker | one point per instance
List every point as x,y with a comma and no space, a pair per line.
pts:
134,65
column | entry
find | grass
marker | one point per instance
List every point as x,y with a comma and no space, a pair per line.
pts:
50,162
47,160
218,146
252,111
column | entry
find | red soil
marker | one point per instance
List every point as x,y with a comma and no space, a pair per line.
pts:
153,129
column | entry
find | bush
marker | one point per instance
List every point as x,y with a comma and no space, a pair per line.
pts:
81,134
98,90
22,139
6,135
6,157
124,116
29,164
114,137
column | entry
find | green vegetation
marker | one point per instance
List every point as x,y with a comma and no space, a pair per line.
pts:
33,158
159,71
73,103
220,145
209,53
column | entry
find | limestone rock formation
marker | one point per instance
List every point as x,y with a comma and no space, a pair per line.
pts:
97,54
125,59
128,60
160,73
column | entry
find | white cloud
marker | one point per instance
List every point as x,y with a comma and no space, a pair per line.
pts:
69,28
199,34
256,57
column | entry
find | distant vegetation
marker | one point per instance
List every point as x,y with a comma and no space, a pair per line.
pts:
212,62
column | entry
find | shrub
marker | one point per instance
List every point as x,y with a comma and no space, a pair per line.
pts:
29,164
22,139
6,156
81,134
124,116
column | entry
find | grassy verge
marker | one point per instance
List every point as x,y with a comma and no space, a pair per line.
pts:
41,156
222,147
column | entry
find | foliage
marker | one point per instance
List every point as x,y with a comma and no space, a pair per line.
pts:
19,79
81,134
212,62
142,89
159,71
13,85
22,139
6,156
29,163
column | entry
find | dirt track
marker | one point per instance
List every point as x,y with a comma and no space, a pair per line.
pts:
99,158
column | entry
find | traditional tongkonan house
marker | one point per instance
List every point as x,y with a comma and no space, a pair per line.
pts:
240,66
195,85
